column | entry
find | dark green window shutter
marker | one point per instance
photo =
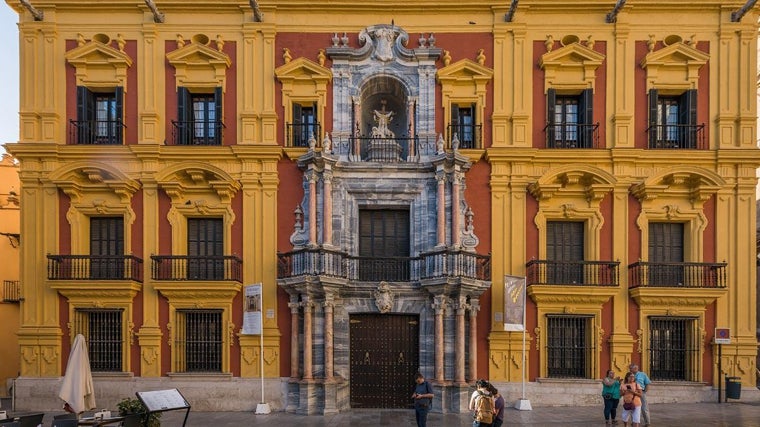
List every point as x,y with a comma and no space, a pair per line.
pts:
586,119
653,131
551,103
184,112
119,99
217,122
85,115
687,111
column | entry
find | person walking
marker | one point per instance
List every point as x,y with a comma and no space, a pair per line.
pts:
499,404
423,399
645,383
631,392
611,396
481,405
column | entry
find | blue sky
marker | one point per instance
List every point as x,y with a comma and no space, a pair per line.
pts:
8,75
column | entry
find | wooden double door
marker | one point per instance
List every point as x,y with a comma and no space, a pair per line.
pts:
384,357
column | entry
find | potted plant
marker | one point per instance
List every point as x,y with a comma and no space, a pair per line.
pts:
131,405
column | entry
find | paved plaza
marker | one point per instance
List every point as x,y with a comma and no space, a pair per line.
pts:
691,414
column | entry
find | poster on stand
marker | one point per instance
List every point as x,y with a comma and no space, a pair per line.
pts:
252,311
514,303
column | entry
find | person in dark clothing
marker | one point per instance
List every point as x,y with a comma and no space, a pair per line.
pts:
423,399
498,413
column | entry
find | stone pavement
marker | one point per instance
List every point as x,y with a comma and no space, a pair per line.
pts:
692,414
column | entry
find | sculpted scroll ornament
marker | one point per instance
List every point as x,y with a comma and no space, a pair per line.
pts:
383,297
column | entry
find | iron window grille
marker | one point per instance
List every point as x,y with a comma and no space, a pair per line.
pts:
103,332
673,348
569,346
198,341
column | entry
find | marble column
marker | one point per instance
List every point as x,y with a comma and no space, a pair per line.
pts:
411,104
294,307
312,177
329,304
307,337
461,307
439,305
456,235
327,207
473,356
441,204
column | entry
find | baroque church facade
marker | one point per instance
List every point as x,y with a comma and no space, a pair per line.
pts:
529,192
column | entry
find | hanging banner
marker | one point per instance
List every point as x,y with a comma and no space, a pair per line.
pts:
252,311
514,303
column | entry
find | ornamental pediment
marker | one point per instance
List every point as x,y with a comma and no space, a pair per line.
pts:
198,55
697,187
99,65
303,69
674,67
572,67
466,70
198,65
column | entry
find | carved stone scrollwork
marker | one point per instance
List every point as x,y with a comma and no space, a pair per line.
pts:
537,332
639,340
383,297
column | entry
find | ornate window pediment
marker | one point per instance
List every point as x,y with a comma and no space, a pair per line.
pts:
199,66
99,65
572,67
304,82
303,72
464,83
697,187
674,67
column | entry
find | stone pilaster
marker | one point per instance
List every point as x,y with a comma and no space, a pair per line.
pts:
312,179
440,302
459,348
308,307
327,208
473,354
456,220
294,308
441,204
328,304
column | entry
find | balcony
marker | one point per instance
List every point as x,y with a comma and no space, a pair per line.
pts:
572,135
94,267
206,132
572,273
199,268
96,132
678,137
431,265
298,134
11,291
677,275
469,136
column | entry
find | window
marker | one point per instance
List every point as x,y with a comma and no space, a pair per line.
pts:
673,120
98,117
199,118
198,341
570,120
304,125
102,330
205,249
464,127
569,346
384,244
565,252
107,248
673,348
666,254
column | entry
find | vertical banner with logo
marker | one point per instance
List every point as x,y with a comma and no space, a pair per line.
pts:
252,311
514,303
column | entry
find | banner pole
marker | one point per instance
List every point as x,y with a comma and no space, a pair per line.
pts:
524,404
263,407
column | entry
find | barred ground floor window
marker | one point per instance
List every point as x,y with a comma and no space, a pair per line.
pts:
569,346
198,341
103,331
673,348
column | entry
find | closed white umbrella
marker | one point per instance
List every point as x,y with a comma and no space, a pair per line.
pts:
77,389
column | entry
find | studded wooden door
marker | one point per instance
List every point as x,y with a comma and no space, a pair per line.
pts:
384,358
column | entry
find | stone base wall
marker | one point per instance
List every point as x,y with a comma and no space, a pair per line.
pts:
238,394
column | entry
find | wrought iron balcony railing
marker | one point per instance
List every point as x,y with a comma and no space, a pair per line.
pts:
677,274
11,291
444,263
580,273
298,134
676,136
572,135
96,132
203,132
94,267
469,136
207,268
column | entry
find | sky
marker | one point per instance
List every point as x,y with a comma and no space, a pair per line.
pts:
8,75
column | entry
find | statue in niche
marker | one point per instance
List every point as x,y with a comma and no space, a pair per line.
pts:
384,46
383,119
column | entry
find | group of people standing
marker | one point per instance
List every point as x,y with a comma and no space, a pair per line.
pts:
633,391
486,404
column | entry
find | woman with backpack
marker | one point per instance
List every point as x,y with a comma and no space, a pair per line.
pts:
631,391
482,405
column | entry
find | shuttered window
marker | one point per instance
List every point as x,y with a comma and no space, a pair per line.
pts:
570,120
565,251
384,244
464,126
199,117
106,247
205,248
673,120
304,125
99,116
666,253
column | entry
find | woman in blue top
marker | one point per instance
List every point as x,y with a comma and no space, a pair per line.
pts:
611,395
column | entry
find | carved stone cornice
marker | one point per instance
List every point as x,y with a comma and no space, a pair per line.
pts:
571,296
672,299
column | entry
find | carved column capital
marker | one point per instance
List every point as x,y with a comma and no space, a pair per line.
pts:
440,304
329,303
460,305
474,307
